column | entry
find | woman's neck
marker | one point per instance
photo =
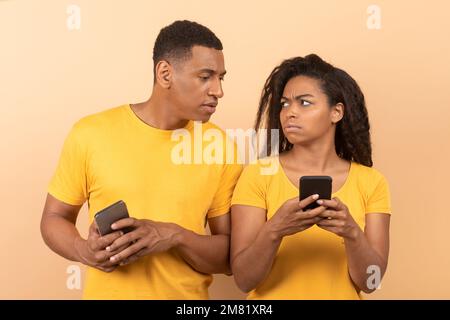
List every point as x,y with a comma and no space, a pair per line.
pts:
319,158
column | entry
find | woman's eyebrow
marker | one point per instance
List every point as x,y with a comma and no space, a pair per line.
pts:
299,96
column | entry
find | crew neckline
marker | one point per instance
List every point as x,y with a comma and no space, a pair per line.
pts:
153,130
350,173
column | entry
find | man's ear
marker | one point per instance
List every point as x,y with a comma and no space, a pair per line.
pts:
163,73
337,113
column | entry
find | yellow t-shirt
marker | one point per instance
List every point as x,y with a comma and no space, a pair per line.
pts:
112,156
311,264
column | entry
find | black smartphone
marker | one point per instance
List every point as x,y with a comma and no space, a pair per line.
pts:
310,185
107,216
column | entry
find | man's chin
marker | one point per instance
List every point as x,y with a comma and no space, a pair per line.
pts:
203,118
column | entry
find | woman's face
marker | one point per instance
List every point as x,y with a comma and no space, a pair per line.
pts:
305,113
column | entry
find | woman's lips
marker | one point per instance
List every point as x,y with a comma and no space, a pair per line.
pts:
292,128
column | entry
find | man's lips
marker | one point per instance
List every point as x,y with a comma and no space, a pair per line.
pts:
210,104
209,107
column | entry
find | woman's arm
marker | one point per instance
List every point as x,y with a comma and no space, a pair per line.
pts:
253,246
255,241
364,249
369,248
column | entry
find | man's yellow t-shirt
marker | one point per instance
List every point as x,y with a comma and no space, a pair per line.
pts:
112,156
311,264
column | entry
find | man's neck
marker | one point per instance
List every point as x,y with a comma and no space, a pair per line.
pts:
156,112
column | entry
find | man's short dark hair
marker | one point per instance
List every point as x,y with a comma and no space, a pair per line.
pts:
175,41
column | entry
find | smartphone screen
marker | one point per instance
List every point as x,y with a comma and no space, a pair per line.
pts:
310,185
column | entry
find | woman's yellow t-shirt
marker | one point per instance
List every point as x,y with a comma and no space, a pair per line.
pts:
311,264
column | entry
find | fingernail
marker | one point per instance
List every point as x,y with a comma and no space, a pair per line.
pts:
112,258
319,201
121,233
108,248
113,226
316,196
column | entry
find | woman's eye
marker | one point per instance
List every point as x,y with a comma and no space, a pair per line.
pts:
305,103
284,104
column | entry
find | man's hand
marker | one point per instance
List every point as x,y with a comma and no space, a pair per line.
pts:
147,237
92,251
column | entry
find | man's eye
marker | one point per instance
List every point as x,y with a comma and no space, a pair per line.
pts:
204,78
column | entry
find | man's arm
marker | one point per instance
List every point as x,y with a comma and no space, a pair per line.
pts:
208,254
58,227
60,234
205,253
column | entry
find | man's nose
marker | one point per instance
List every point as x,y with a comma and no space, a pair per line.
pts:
216,89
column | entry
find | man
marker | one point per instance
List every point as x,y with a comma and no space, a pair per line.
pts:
126,154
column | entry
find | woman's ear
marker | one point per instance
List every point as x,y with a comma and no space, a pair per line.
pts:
337,113
163,73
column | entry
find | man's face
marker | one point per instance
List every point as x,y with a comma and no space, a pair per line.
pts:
197,84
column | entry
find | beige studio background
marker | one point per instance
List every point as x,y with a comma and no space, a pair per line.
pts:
54,71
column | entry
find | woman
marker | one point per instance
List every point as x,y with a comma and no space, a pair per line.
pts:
278,250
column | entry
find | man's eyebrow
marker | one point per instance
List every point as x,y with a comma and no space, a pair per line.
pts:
299,97
211,71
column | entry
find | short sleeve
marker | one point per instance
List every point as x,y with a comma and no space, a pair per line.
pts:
251,188
222,199
69,182
379,199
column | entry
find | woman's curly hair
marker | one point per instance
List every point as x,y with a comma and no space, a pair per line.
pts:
352,137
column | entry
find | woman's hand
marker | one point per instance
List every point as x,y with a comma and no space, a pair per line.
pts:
337,219
290,217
